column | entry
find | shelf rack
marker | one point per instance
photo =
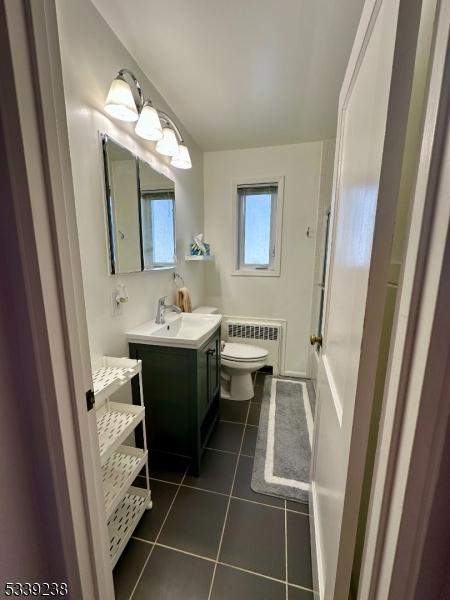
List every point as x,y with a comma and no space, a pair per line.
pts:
115,422
119,472
110,374
124,520
120,464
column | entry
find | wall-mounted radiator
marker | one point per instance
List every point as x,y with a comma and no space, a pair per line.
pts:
265,333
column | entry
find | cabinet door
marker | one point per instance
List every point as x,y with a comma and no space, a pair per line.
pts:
213,361
202,381
208,374
169,397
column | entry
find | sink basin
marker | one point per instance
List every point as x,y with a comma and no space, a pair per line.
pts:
187,330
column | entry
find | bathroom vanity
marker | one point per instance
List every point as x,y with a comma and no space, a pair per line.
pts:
181,381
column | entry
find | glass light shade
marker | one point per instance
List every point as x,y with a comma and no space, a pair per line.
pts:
149,125
167,145
120,103
182,160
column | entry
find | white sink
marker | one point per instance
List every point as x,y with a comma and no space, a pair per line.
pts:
187,330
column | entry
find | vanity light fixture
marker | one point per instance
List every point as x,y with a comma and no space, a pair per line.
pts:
152,124
120,102
167,145
149,126
182,160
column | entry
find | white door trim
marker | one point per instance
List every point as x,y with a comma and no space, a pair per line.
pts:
39,166
416,409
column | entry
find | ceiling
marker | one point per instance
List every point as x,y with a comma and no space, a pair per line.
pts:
242,73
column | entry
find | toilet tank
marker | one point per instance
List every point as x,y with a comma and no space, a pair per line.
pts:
206,310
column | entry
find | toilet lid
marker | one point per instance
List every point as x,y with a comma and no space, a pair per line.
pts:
243,352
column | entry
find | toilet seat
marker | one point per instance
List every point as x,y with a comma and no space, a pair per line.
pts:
243,353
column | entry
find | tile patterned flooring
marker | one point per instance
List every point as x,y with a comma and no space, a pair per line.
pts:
211,537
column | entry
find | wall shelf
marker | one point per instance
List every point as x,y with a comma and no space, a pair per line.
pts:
201,257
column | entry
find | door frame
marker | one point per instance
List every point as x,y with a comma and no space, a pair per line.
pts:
38,144
415,415
35,130
409,13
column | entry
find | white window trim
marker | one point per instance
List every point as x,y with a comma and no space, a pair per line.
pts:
275,270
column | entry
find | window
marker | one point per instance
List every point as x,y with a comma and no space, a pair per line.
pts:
258,228
158,228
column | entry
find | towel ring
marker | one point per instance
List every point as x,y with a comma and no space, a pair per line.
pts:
178,280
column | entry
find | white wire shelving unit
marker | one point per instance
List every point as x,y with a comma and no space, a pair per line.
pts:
121,464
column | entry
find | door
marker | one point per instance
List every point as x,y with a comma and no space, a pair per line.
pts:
373,109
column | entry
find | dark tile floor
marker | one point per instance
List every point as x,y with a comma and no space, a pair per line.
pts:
211,537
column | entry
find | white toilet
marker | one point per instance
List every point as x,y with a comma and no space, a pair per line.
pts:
239,361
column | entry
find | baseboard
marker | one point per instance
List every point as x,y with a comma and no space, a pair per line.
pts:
316,550
299,374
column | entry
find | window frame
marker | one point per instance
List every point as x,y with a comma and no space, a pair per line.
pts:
274,268
144,198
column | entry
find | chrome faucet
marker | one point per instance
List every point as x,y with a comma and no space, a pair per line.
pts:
162,307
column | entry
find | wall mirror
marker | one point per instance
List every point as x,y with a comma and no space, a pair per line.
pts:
122,202
140,206
157,204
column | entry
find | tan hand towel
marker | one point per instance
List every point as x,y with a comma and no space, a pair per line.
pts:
184,300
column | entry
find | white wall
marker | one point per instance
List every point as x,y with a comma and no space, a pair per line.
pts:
91,56
288,296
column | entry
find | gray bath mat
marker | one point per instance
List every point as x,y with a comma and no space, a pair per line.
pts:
283,449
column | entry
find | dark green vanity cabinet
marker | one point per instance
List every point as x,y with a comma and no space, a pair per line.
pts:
181,395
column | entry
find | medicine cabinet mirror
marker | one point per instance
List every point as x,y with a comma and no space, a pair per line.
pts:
157,207
140,205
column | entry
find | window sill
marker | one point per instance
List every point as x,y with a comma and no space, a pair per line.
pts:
257,273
